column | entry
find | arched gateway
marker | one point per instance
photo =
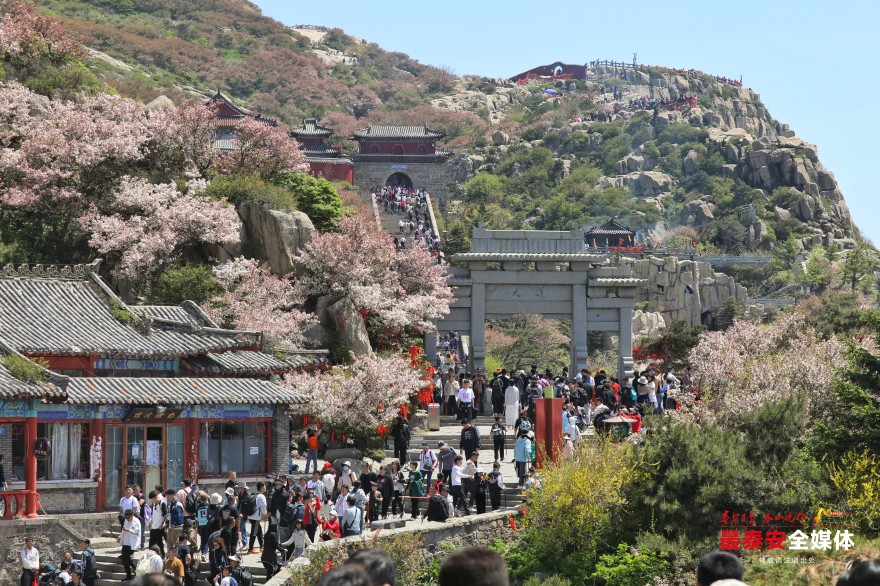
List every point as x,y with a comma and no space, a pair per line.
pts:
542,272
399,180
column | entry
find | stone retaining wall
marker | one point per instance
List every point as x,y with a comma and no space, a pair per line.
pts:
51,535
458,532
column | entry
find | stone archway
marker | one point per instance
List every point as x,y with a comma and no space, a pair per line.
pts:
399,180
542,272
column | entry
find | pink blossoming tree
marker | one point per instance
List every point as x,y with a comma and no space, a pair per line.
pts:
256,300
262,150
152,222
359,399
751,364
398,289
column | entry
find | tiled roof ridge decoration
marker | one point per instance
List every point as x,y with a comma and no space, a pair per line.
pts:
397,131
77,272
310,127
195,310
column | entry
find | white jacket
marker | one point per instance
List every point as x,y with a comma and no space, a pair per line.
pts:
132,537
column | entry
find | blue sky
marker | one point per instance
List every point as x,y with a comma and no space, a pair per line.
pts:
815,64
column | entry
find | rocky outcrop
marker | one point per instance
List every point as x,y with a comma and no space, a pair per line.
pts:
274,236
647,324
642,184
697,212
348,322
686,290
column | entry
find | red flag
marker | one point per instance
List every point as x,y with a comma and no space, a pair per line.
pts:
512,522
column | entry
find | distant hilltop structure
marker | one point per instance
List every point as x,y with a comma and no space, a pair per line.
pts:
562,71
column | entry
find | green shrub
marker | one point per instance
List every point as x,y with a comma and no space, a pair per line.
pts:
121,314
178,284
629,567
26,370
315,197
241,188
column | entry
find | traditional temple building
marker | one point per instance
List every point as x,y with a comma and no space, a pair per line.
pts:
324,160
401,155
227,117
611,233
125,395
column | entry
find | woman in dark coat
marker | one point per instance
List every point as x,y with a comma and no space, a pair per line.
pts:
269,557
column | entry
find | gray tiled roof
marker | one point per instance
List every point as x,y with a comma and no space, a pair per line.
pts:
13,388
179,391
310,127
333,160
611,228
187,312
72,316
319,150
394,131
251,363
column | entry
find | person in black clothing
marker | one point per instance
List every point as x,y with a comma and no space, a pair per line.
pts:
367,477
498,388
470,438
186,557
269,556
497,433
400,431
217,557
480,491
229,534
386,489
3,485
437,510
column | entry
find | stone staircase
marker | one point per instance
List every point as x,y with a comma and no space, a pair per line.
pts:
113,573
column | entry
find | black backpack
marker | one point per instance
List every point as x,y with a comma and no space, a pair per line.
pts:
294,513
440,507
191,501
248,504
497,389
244,577
89,564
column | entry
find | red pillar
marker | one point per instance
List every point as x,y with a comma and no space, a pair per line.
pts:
548,430
191,440
97,430
30,466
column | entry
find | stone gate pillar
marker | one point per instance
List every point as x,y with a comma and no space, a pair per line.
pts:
478,326
579,349
625,335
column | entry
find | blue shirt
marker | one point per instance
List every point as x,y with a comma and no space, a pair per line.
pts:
521,449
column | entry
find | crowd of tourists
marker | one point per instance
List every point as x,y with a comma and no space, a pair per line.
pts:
415,217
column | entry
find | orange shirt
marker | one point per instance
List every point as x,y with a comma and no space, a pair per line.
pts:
313,442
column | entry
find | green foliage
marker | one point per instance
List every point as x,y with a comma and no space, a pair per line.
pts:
26,370
629,567
405,550
316,197
858,265
673,344
458,237
695,473
730,311
856,481
818,270
854,423
554,580
175,285
836,314
121,314
340,350
241,188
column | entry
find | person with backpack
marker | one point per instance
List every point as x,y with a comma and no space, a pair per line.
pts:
437,510
225,578
353,519
521,456
480,488
256,516
157,523
401,433
495,484
497,432
183,495
427,462
446,455
88,563
191,563
174,518
241,574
